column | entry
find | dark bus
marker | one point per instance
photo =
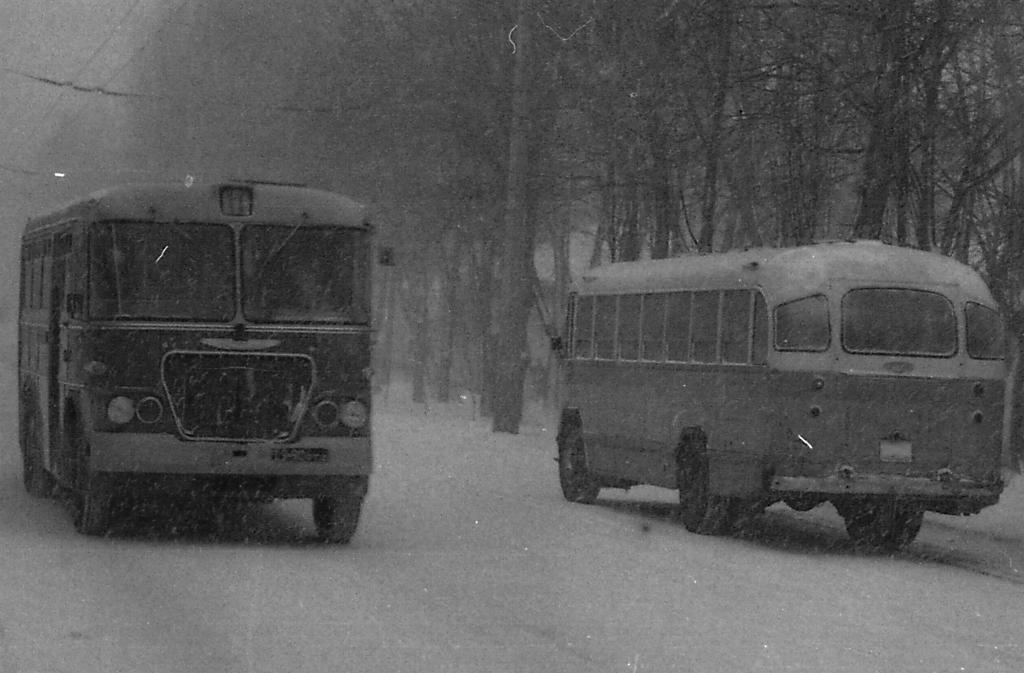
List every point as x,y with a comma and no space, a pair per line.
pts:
204,339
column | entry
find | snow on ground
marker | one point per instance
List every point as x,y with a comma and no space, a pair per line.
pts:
469,560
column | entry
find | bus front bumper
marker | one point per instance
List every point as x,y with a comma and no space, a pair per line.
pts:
166,454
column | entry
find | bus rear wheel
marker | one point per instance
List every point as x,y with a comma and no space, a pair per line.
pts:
578,485
700,510
36,479
883,525
337,516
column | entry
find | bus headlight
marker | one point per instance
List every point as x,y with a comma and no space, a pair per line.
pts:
326,414
354,414
120,410
149,410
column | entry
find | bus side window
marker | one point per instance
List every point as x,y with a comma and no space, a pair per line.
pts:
629,327
736,326
29,284
583,328
759,338
45,262
604,327
677,325
705,326
29,288
652,330
802,324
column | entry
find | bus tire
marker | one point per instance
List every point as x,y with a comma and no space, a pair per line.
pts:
91,491
700,510
37,481
337,516
881,524
93,505
578,484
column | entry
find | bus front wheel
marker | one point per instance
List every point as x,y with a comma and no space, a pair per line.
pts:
578,485
91,494
886,525
700,510
337,516
93,506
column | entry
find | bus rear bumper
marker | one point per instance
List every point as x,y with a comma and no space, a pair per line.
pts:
165,454
941,494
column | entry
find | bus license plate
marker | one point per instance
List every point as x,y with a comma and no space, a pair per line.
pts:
294,454
895,451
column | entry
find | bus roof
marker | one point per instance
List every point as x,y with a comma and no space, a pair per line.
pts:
201,203
788,273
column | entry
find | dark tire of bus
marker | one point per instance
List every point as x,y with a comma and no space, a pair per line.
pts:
36,479
337,517
578,485
93,505
882,524
92,496
700,510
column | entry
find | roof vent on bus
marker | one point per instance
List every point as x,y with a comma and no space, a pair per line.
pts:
236,201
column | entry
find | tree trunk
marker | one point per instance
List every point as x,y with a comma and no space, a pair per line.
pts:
483,319
421,353
713,149
516,274
662,200
450,293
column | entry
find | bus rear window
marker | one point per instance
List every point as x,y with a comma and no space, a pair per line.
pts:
896,321
984,333
165,271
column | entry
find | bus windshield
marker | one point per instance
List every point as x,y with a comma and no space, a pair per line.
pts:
896,321
161,271
304,274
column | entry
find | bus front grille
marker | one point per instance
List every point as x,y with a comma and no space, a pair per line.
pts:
237,396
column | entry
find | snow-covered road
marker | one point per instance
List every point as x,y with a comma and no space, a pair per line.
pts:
468,559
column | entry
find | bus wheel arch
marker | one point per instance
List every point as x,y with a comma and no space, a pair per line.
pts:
577,482
700,510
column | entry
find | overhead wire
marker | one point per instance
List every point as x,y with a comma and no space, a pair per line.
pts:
38,121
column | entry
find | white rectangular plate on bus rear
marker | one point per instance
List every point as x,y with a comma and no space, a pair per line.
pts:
895,451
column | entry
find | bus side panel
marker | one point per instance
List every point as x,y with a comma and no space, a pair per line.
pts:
614,401
633,415
738,436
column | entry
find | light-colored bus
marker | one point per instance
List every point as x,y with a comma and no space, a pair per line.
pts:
857,373
204,339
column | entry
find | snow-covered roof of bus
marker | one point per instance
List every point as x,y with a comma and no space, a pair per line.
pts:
786,273
201,203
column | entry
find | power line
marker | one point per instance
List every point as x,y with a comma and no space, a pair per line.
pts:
39,120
